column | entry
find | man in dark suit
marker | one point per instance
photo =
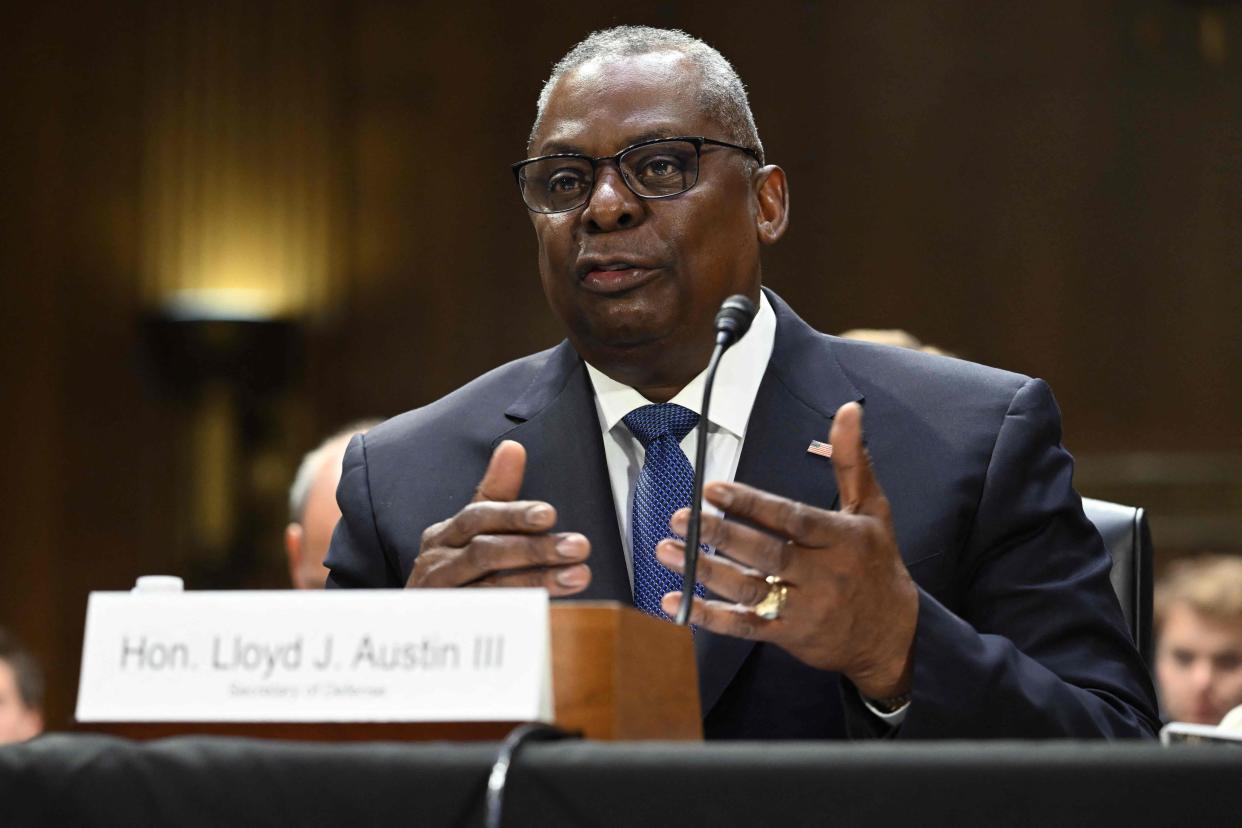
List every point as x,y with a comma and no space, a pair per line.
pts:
941,583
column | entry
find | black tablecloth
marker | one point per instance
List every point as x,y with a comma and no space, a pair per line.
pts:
100,780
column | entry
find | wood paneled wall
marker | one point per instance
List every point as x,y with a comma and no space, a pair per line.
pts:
1055,189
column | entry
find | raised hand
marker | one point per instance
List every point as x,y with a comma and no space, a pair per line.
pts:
498,540
850,603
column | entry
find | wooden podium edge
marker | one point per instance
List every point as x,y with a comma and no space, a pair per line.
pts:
668,708
623,675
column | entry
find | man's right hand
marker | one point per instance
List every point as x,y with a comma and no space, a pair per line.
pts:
499,541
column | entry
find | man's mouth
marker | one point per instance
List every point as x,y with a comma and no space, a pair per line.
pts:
615,275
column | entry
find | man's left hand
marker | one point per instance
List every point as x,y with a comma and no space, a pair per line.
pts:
851,604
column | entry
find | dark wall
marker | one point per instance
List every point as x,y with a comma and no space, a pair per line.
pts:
1054,188
1072,173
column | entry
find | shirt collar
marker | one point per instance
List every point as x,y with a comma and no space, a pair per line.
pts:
737,381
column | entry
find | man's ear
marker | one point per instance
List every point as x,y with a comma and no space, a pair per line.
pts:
293,551
772,202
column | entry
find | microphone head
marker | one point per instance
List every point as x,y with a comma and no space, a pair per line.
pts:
734,318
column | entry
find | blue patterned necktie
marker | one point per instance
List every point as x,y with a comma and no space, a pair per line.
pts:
665,485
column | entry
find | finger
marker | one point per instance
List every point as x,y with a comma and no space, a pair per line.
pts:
850,462
558,580
736,620
486,554
767,553
503,478
490,518
722,576
802,524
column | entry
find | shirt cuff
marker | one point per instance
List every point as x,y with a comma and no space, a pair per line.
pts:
891,719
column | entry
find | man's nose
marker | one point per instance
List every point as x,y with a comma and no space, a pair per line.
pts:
612,205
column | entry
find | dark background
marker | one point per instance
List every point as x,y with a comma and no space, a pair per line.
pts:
1054,187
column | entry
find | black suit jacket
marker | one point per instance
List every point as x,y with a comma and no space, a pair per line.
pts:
1019,632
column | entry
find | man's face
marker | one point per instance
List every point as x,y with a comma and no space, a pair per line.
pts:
17,721
637,282
1199,666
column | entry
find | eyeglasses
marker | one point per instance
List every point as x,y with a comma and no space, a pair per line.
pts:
658,168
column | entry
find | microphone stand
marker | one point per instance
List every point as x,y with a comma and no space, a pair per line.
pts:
732,323
696,498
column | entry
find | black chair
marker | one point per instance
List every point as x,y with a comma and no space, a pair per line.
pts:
1128,539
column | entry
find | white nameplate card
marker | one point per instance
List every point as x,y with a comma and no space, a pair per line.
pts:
334,656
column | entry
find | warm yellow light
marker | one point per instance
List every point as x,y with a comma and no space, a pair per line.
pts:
225,303
236,252
239,196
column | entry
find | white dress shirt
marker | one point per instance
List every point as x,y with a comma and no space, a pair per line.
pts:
737,383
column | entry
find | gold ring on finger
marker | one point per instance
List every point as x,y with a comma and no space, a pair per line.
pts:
774,602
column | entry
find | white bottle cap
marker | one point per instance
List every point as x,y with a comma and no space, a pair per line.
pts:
159,583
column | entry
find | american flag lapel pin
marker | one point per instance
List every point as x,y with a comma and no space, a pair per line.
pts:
822,449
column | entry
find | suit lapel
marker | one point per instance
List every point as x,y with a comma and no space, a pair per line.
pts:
558,425
800,392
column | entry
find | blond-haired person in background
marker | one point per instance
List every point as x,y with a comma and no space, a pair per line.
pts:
21,692
1198,609
895,337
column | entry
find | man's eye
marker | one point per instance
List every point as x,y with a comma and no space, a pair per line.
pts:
565,181
656,168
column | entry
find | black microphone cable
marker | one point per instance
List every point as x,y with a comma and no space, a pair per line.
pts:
507,755
732,322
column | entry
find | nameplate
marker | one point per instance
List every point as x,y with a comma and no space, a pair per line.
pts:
331,656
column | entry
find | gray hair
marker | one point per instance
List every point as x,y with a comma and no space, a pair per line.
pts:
299,492
721,92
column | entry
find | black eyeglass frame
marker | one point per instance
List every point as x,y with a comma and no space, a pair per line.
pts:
697,140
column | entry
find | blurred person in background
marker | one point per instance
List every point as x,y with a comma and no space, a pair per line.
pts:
21,692
313,512
1198,615
895,337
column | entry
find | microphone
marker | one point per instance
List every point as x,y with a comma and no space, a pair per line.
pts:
732,322
733,319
